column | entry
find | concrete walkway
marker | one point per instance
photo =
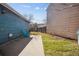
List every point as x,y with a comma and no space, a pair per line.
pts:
34,48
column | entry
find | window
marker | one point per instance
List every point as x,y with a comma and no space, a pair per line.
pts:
2,10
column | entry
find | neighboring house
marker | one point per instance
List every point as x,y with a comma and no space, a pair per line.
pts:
38,27
41,28
63,19
12,24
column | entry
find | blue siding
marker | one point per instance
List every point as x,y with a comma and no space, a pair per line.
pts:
10,23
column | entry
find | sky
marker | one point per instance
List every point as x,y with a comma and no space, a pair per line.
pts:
38,10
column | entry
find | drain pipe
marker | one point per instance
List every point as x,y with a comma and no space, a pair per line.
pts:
78,37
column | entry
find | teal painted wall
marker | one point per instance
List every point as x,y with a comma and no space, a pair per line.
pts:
10,23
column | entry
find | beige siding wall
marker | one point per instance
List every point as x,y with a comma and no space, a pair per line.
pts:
63,19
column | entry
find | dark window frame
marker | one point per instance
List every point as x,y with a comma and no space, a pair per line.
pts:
2,10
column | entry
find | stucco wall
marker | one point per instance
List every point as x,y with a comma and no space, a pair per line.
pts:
63,20
10,23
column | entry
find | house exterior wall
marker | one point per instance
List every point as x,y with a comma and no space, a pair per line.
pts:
63,19
10,23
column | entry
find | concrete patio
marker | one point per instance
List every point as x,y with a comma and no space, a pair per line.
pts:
14,47
34,47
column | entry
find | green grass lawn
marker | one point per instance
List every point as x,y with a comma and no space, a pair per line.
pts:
54,46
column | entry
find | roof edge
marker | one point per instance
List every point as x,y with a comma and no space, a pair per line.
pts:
12,10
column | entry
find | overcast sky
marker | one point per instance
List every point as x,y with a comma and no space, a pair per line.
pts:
36,9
